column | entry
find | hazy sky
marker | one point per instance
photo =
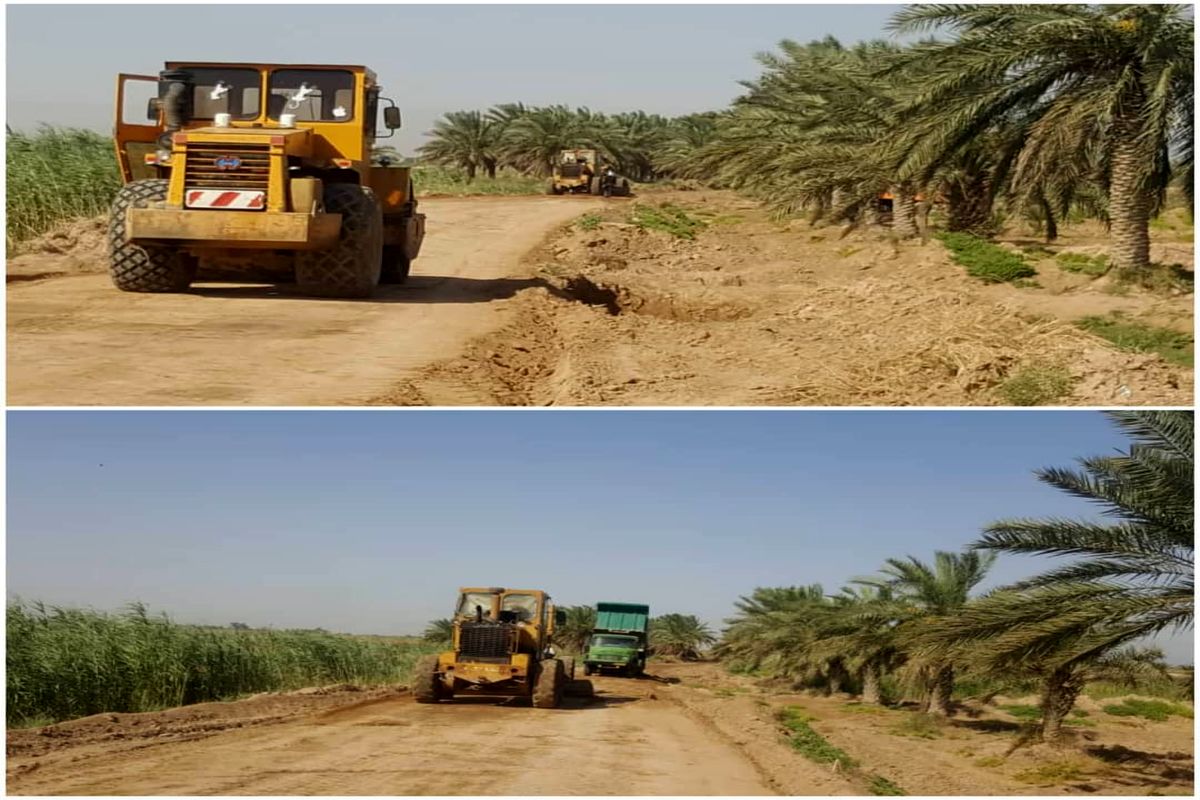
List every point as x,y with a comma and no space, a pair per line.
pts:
667,59
369,521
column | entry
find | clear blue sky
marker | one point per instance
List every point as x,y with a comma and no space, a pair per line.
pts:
668,59
369,521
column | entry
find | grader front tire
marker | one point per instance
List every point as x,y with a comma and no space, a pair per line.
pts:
351,267
144,267
426,686
548,688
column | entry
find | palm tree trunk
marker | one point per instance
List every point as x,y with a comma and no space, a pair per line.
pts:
489,166
904,212
471,168
941,692
970,206
1061,689
1128,202
1051,220
871,692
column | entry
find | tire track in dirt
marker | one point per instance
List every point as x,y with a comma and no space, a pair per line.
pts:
76,340
623,742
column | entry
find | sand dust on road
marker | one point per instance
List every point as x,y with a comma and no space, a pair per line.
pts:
73,339
625,741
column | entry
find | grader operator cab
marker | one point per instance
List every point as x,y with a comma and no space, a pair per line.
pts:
502,645
262,166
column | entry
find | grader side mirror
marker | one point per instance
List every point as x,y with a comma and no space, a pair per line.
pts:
391,118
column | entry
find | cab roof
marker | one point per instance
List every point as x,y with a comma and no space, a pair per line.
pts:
259,66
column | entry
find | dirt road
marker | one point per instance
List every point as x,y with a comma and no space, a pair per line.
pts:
625,741
74,340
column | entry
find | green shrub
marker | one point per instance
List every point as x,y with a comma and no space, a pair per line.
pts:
810,743
1083,263
66,663
1172,346
589,222
882,787
922,726
435,180
984,260
668,218
1154,710
1036,385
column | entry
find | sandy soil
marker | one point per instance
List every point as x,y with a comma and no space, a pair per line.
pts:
511,304
690,729
759,312
75,340
625,741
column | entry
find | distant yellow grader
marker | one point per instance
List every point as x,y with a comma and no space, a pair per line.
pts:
580,171
263,166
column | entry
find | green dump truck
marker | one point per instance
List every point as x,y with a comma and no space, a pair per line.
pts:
618,642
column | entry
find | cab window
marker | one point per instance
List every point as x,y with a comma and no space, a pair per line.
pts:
469,600
237,92
312,95
523,606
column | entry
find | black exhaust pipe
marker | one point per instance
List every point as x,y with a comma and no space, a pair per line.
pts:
175,99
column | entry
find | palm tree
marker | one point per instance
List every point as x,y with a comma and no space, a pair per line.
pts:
934,592
573,634
680,635
1132,574
440,631
1128,66
465,139
532,141
864,629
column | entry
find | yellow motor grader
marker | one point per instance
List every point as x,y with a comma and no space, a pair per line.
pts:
581,171
266,167
502,645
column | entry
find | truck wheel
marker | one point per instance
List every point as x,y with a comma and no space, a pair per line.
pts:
352,266
587,668
553,189
144,267
568,668
548,688
396,265
427,688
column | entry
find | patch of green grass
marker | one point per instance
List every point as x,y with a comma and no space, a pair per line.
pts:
922,726
1037,251
882,787
989,761
865,708
1052,773
1026,283
1172,346
808,742
1153,710
1023,711
1169,279
1036,385
1161,687
984,260
589,222
668,218
434,180
1083,263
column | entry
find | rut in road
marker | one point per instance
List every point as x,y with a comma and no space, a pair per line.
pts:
622,742
73,339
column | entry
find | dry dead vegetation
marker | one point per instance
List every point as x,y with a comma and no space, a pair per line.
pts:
730,307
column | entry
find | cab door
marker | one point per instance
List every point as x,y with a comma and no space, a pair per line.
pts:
135,132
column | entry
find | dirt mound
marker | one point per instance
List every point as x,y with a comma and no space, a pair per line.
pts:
189,722
74,247
756,312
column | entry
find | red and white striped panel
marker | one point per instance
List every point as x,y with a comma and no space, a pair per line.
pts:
217,198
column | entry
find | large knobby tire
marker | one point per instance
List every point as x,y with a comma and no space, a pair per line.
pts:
588,669
548,688
350,268
144,267
426,687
